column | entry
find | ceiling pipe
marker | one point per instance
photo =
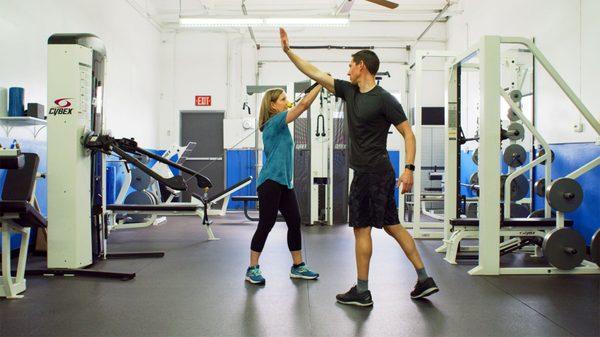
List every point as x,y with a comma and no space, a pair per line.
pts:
437,17
250,30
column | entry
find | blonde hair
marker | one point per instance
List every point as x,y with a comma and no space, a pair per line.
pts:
269,97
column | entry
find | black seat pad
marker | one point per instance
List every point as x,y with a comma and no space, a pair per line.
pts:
28,215
513,222
225,191
245,198
154,208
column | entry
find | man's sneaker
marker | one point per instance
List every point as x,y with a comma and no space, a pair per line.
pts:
303,272
254,276
353,297
425,288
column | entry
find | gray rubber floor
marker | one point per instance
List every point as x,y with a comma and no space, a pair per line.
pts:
197,289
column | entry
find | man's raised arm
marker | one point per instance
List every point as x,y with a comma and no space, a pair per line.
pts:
306,68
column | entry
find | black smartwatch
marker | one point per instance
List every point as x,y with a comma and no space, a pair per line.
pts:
410,167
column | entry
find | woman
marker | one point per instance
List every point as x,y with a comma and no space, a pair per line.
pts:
275,189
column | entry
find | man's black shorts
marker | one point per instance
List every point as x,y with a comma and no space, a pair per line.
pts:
372,200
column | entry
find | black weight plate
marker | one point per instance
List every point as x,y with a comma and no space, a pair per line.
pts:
515,155
516,95
139,198
564,194
511,115
475,156
541,152
518,188
518,210
139,179
564,248
540,187
472,210
540,213
474,180
518,129
595,248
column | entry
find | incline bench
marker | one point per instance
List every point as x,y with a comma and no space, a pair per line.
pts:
180,208
18,213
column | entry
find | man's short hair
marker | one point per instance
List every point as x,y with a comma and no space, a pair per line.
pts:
369,58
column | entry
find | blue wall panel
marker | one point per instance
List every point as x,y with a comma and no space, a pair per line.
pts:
395,159
240,165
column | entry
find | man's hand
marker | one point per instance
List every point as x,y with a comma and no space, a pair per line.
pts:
406,181
285,42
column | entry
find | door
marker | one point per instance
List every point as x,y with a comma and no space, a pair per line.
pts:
206,129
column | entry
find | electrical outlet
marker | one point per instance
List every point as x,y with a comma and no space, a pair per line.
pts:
578,127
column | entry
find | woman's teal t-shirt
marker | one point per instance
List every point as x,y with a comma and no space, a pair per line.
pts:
279,150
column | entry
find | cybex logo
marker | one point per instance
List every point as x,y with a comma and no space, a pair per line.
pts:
62,107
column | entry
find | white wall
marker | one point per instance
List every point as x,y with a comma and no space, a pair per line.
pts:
133,49
222,64
566,31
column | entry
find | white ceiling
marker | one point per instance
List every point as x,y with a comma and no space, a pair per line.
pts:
167,11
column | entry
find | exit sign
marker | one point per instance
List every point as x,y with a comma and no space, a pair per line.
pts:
203,100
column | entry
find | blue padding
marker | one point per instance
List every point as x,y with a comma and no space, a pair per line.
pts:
40,148
467,168
395,159
567,158
240,165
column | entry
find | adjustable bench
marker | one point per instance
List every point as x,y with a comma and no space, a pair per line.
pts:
177,208
19,212
468,228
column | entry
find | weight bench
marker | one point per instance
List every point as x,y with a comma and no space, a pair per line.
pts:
250,198
177,208
511,227
19,212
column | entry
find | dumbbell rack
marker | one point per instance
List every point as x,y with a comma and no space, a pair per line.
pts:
491,225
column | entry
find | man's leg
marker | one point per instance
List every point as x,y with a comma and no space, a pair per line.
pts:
425,285
403,237
363,249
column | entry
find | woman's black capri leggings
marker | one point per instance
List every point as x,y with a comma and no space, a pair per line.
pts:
273,197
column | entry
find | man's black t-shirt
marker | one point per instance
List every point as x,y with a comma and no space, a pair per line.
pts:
369,115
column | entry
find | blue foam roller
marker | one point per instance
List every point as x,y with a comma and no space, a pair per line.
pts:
16,102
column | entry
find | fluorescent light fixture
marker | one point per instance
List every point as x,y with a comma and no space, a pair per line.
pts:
265,22
220,22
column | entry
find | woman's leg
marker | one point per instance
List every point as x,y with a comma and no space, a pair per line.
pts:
268,197
288,206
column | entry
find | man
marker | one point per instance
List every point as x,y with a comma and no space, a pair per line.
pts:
370,112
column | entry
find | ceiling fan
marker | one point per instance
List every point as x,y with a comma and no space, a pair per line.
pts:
346,6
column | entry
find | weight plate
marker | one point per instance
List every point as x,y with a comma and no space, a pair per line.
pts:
139,198
518,210
595,248
472,210
139,179
516,95
564,248
516,131
564,194
540,187
474,180
518,188
515,155
512,116
540,213
475,156
541,152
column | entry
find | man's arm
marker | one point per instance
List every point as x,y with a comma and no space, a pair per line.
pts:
410,146
306,68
